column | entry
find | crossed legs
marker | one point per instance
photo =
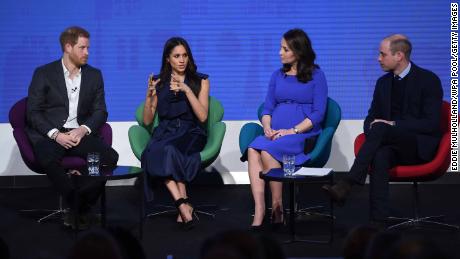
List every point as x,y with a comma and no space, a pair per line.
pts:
263,162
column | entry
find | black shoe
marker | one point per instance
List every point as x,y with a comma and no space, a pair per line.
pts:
338,192
187,225
278,225
70,222
256,229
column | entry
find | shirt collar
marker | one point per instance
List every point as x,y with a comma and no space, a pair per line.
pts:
66,71
405,71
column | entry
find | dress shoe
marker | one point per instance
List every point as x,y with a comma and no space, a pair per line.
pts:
83,221
256,229
338,192
276,225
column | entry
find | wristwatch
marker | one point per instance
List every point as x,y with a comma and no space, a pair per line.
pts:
296,130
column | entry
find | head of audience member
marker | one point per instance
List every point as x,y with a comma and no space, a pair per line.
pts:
95,244
379,245
297,52
75,45
415,248
240,244
4,250
394,53
128,244
178,59
357,240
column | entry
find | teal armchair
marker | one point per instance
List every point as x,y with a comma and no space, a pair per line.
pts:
320,153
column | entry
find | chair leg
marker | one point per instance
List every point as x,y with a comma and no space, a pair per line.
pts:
52,213
310,211
167,209
205,209
418,221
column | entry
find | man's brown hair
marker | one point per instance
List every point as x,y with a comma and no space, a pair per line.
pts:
71,34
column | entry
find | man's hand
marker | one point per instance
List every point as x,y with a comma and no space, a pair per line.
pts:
391,123
65,140
77,134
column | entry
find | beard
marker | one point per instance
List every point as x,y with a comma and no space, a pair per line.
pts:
78,61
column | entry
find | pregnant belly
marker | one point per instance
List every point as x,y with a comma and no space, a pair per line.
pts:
286,116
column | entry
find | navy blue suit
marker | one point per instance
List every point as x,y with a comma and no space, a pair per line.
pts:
48,108
413,139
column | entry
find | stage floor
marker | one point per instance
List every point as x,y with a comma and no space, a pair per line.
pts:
162,236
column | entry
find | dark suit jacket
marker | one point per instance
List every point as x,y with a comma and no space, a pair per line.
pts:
421,111
48,103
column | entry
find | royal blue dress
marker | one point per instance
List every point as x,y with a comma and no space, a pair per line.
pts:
174,149
289,102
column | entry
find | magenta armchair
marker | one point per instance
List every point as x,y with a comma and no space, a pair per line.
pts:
17,117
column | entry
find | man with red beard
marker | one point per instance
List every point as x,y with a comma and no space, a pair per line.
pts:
65,109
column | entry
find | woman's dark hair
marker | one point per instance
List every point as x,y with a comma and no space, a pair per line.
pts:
190,70
298,41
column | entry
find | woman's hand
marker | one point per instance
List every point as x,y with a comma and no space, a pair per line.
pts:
177,85
283,132
269,132
151,86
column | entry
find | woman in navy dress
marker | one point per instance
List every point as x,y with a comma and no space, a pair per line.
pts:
179,94
293,111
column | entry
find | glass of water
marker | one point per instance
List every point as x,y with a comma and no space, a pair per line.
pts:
288,165
93,159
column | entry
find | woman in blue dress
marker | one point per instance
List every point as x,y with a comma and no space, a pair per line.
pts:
293,111
179,94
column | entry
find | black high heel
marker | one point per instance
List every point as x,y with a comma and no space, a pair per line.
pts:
194,214
187,225
278,225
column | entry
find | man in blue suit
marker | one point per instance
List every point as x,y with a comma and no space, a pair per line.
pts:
402,126
65,109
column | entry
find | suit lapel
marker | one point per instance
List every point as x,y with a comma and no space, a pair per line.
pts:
387,97
83,87
60,81
409,90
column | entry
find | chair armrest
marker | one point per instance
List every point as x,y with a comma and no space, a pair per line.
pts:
106,133
138,139
320,154
359,141
213,143
248,133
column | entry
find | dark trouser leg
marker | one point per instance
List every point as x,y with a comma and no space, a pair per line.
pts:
378,195
90,190
365,156
49,155
385,147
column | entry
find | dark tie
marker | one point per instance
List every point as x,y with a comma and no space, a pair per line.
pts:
397,78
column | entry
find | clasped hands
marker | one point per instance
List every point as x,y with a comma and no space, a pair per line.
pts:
276,134
72,138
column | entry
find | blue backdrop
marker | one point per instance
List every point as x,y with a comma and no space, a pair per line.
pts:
236,42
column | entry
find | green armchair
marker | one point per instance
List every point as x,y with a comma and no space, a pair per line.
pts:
139,135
